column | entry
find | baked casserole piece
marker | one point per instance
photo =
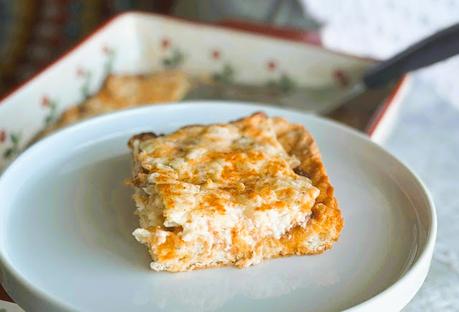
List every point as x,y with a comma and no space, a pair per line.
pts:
232,194
126,91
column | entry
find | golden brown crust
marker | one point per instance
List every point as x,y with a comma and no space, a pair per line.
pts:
141,136
326,220
323,227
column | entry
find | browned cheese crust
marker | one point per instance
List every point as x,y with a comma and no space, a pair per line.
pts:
326,221
321,230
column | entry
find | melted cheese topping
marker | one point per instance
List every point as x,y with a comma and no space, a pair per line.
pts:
214,185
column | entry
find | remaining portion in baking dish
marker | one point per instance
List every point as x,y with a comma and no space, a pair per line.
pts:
232,194
124,91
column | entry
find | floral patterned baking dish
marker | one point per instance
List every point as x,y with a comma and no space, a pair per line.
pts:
141,43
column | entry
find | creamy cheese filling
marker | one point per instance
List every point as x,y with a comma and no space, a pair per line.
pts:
207,184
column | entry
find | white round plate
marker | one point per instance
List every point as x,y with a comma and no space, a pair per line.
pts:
66,219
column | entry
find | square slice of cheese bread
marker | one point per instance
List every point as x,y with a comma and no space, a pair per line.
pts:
232,194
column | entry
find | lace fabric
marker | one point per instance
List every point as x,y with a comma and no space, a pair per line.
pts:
380,28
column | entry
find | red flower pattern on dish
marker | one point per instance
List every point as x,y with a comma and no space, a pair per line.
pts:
45,101
341,77
80,72
107,50
165,43
216,54
271,65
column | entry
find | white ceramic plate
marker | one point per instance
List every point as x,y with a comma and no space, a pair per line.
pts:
66,221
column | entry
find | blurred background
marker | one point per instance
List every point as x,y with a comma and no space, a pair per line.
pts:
33,33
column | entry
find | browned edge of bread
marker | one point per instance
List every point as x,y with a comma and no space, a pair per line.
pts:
326,219
325,223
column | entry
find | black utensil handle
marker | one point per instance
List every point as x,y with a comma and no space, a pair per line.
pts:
433,49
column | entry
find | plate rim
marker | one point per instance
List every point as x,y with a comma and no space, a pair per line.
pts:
420,264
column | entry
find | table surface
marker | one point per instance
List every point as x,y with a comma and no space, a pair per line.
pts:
426,138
